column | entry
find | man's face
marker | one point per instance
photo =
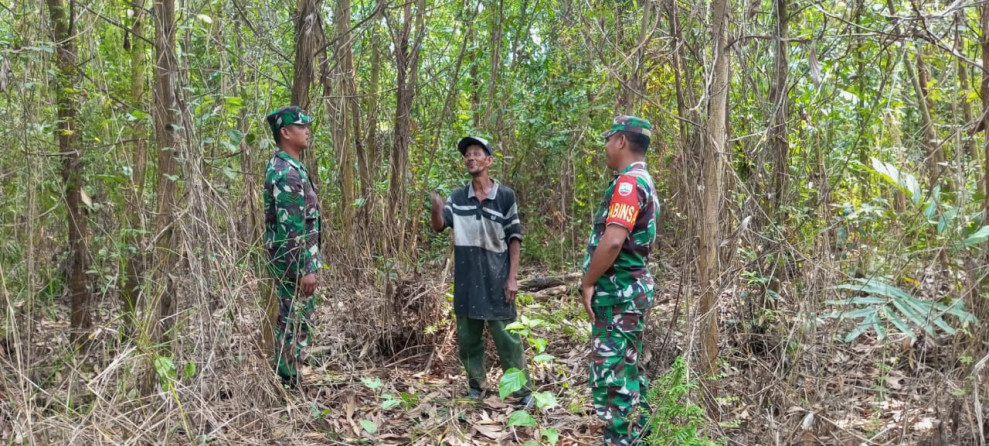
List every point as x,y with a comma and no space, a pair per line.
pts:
296,135
476,159
612,148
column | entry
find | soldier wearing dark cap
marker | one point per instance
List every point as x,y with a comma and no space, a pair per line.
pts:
487,238
292,237
617,289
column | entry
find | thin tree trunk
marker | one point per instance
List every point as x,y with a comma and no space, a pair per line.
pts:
712,148
407,68
981,310
971,148
69,134
934,155
344,113
136,256
308,41
779,131
169,141
496,24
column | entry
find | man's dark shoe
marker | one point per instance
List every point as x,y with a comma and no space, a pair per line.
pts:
474,394
526,402
290,381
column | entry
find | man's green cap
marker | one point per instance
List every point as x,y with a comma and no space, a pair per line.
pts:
631,124
286,116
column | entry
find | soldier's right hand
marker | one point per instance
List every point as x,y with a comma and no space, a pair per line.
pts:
308,284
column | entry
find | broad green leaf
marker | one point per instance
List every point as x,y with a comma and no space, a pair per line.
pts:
372,383
538,343
389,403
544,400
978,237
190,370
521,418
512,381
545,357
369,426
552,436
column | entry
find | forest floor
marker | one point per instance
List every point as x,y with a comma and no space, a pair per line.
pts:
792,381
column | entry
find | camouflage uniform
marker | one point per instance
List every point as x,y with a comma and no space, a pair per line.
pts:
292,238
623,297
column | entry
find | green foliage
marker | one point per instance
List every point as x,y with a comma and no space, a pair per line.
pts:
885,303
521,418
511,381
676,420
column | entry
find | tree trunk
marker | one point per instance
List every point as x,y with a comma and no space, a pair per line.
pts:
981,310
496,22
169,141
69,134
308,40
934,155
344,115
135,253
971,149
712,149
778,131
407,68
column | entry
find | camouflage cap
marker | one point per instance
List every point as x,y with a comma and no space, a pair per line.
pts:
286,116
468,141
631,124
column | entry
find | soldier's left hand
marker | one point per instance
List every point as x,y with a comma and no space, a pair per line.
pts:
511,289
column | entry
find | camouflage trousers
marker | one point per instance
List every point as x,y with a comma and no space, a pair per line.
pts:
292,328
618,385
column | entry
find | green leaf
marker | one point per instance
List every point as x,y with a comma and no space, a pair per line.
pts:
190,370
900,325
544,400
512,381
978,237
369,426
521,418
389,403
857,300
165,368
552,436
372,383
545,357
538,343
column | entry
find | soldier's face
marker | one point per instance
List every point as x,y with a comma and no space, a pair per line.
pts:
297,135
476,159
612,148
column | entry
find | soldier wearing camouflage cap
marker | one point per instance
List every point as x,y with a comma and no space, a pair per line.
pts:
292,236
617,289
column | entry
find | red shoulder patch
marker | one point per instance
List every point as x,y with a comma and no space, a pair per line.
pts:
624,207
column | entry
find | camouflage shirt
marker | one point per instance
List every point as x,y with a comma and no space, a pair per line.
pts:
630,202
291,218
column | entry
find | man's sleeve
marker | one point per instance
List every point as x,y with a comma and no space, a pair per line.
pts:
513,225
624,207
448,213
290,204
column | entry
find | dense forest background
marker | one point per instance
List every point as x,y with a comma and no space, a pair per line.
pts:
822,166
